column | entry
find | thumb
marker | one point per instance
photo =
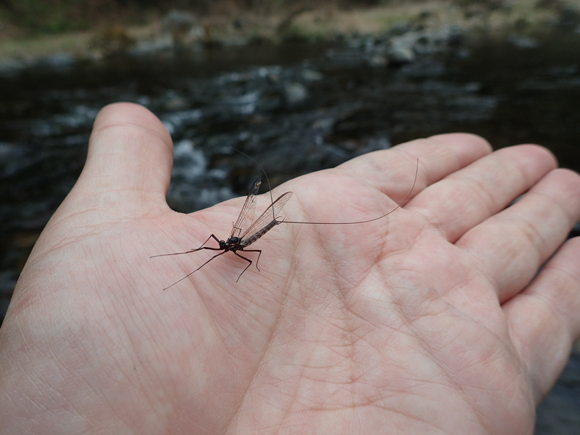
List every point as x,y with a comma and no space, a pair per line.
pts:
129,161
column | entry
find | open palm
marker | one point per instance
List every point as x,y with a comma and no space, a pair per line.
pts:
431,320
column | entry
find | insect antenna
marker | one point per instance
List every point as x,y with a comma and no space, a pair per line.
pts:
368,220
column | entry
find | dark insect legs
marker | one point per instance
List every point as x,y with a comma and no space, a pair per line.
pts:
240,237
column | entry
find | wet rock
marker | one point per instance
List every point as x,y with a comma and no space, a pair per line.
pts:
147,47
403,44
178,21
295,93
311,75
10,67
193,185
176,122
400,28
346,57
400,54
112,40
524,42
57,61
379,60
558,413
11,159
183,26
425,14
175,102
548,4
189,162
568,18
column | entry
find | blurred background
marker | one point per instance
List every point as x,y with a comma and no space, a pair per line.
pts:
300,86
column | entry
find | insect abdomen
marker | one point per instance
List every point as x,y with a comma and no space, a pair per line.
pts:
256,236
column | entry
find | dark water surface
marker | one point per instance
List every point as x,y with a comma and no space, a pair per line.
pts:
295,108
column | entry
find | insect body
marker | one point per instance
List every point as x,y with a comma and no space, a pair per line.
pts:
244,232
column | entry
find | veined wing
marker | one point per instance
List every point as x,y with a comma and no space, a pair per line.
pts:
246,215
269,214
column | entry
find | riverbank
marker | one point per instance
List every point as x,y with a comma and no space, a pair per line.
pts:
184,29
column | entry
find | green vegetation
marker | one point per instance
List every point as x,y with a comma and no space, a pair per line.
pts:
37,17
56,16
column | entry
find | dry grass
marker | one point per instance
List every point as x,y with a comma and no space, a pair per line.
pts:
318,23
436,13
41,46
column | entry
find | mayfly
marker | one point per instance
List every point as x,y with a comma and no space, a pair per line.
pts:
245,233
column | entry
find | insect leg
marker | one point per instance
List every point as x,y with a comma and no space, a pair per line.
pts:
203,244
248,260
191,273
191,250
257,259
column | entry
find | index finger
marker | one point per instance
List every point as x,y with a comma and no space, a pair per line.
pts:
438,157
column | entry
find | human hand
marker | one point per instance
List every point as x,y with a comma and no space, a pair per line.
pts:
428,321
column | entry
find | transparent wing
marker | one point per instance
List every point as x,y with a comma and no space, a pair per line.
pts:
269,215
248,210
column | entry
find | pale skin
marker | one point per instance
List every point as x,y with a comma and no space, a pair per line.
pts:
432,320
